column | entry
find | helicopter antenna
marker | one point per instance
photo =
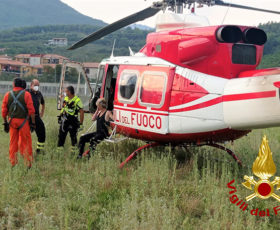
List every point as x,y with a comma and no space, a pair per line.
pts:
131,51
179,6
113,49
224,18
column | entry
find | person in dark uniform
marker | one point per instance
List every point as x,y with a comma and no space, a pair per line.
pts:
102,117
68,118
38,100
24,84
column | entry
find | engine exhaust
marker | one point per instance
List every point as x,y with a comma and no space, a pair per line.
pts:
229,34
255,36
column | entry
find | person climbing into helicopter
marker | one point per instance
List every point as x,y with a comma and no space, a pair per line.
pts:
103,117
68,119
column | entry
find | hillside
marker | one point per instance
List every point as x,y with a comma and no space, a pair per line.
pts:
19,13
272,47
33,40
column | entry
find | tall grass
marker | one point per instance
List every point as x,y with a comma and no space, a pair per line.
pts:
163,188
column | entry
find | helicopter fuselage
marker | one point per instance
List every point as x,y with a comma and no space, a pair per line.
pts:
191,83
184,87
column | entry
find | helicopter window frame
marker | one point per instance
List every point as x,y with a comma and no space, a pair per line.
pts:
101,68
155,73
132,99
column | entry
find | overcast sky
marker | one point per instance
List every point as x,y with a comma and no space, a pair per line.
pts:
112,10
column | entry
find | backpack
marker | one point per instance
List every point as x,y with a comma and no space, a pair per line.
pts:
14,105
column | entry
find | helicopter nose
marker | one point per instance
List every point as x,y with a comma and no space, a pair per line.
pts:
252,102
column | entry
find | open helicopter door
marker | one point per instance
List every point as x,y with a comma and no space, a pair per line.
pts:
105,85
110,85
73,73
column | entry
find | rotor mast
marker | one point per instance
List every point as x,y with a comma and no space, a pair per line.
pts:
179,6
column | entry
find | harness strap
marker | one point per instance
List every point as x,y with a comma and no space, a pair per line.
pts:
23,123
16,101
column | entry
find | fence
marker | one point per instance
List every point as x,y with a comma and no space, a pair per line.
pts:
47,89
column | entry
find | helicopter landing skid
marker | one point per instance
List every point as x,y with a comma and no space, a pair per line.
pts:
132,155
230,152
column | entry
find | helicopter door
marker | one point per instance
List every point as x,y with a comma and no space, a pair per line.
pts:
105,87
74,74
110,85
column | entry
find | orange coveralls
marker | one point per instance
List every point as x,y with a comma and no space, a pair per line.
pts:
20,139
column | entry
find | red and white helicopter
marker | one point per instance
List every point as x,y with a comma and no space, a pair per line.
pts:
191,84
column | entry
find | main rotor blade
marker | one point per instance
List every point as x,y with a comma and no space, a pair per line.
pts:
221,3
139,16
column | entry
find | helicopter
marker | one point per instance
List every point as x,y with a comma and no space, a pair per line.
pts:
192,84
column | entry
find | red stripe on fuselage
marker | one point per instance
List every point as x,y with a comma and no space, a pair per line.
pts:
228,98
249,96
200,106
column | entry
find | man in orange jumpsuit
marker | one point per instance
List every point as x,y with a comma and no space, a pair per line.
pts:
17,107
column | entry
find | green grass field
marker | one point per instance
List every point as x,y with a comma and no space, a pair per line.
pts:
164,188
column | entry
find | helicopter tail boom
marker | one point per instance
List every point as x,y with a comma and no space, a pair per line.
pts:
252,102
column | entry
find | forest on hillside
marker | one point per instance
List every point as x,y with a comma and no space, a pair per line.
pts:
272,47
34,39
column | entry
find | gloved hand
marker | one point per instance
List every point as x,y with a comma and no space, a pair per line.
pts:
81,128
59,120
32,127
6,127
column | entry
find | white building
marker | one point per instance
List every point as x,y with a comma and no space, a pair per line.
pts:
35,60
91,69
58,42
